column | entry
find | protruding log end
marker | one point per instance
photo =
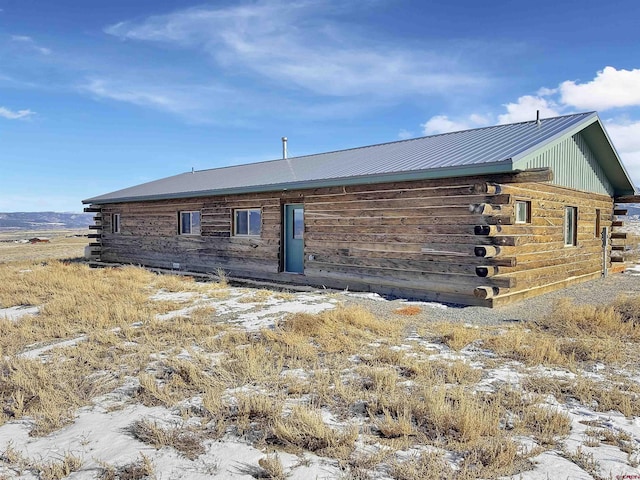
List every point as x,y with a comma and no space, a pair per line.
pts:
619,235
487,230
486,188
481,209
486,251
483,271
486,292
481,229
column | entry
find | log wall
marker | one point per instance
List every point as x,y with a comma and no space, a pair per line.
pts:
543,262
452,240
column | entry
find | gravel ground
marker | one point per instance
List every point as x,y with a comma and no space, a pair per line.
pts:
595,292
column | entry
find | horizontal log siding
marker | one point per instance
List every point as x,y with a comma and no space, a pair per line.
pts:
543,262
149,235
405,238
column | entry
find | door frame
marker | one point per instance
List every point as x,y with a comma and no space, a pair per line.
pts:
284,237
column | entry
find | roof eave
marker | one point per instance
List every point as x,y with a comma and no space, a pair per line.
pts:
502,166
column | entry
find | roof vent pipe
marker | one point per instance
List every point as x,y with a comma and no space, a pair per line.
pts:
284,148
538,117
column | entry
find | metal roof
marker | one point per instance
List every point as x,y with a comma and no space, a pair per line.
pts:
477,151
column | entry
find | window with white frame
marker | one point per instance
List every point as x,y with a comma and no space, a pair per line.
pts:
115,223
570,226
523,211
189,223
247,222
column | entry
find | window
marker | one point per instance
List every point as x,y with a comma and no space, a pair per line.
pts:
248,222
298,223
597,231
523,211
570,230
115,223
189,223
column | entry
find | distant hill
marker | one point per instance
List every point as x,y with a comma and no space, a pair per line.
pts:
44,220
633,209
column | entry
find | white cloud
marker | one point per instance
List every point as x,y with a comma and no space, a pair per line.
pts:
625,135
405,134
15,115
30,43
300,45
525,108
611,88
443,124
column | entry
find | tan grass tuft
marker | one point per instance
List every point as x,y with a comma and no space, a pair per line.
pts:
183,439
272,466
457,336
305,428
455,413
56,470
394,426
342,329
426,466
546,424
141,469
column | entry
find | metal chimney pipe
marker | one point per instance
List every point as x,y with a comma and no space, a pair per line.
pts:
538,117
284,148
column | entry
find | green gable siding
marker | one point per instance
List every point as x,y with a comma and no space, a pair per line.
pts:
574,165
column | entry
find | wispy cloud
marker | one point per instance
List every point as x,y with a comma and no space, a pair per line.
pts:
301,45
15,114
193,102
30,43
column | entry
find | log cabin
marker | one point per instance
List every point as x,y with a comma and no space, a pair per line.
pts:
485,216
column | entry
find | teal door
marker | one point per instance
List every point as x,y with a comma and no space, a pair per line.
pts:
294,238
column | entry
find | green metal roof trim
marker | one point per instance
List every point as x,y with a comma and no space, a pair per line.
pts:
479,151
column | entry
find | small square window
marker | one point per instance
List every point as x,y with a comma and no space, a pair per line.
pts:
189,223
570,226
248,222
115,223
523,211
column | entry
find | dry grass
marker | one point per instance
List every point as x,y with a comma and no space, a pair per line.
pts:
546,424
48,392
141,469
305,428
62,244
457,336
603,322
426,466
272,466
56,470
342,330
185,440
300,385
393,426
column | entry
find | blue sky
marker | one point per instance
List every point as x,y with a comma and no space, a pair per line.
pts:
100,95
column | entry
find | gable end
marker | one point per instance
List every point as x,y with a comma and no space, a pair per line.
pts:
574,165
